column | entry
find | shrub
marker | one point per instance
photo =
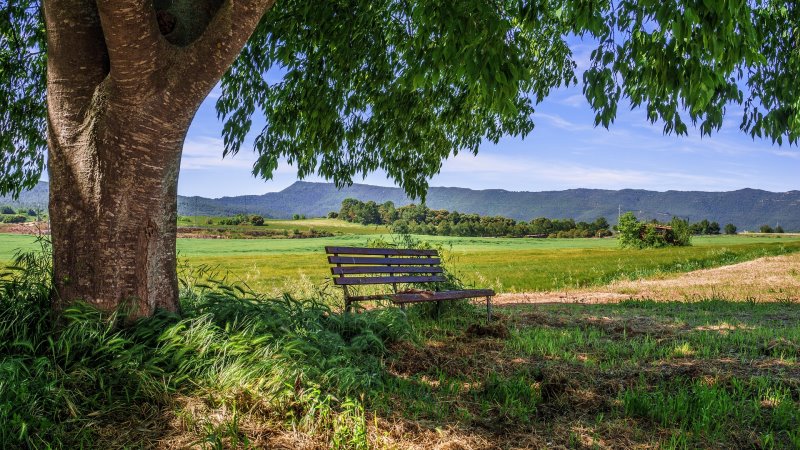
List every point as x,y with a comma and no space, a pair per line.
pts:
630,231
256,220
766,229
15,219
730,229
635,234
7,210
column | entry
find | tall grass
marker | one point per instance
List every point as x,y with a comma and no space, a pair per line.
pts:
85,379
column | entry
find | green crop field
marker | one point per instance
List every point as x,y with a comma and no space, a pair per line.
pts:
333,226
506,264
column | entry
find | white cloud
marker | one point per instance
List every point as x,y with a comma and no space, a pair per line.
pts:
203,152
574,100
529,173
560,122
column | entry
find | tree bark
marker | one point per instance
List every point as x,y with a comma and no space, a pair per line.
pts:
120,100
113,208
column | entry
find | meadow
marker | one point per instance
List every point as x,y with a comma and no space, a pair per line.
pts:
265,369
505,264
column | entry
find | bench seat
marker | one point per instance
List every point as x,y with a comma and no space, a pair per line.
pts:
362,266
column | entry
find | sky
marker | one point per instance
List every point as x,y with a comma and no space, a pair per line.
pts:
564,151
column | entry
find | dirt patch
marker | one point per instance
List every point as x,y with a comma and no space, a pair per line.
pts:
32,228
456,357
497,330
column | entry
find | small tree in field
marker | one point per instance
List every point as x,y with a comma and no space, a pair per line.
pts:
766,229
630,231
635,234
730,229
779,229
256,220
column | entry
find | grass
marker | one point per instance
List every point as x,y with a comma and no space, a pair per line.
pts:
508,265
331,226
241,370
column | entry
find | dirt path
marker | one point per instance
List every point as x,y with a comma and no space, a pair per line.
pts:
774,278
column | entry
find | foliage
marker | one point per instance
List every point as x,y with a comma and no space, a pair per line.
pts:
766,229
635,234
419,219
401,85
243,219
629,231
730,228
22,88
704,227
18,218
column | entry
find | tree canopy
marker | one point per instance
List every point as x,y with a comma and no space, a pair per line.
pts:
351,86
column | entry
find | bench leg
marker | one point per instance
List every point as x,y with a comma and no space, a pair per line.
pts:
488,309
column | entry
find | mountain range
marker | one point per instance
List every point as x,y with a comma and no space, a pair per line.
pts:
746,208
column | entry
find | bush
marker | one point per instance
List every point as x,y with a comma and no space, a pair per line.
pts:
635,234
730,229
7,210
766,229
15,219
256,220
630,231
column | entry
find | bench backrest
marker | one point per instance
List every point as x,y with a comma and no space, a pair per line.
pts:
362,266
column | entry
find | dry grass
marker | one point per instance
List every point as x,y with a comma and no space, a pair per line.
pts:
770,279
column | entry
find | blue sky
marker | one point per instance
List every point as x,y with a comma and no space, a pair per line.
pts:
564,151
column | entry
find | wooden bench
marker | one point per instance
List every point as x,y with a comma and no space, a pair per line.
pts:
360,266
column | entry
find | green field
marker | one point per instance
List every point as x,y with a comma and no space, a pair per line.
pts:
333,226
506,264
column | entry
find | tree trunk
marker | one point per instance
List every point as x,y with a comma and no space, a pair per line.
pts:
122,89
113,206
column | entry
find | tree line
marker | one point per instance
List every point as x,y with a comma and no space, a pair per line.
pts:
419,219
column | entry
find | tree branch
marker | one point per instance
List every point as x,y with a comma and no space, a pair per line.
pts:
133,40
204,61
76,57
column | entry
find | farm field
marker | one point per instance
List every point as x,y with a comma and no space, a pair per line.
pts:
508,265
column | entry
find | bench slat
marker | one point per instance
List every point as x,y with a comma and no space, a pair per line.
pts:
436,296
383,261
379,251
384,269
387,280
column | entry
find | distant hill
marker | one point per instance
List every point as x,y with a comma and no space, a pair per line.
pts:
745,208
32,199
